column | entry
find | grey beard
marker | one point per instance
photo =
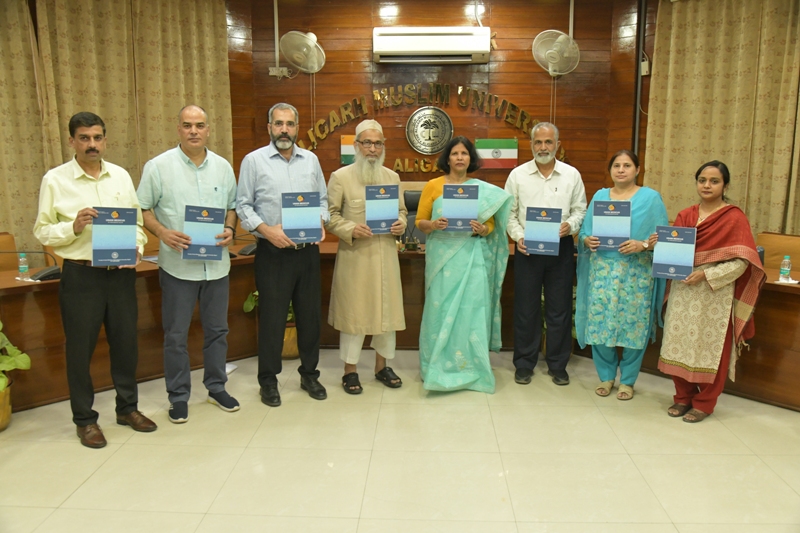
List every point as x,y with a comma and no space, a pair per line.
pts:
543,160
368,172
283,144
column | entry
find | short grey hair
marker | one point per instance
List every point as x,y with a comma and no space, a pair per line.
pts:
184,108
540,125
284,106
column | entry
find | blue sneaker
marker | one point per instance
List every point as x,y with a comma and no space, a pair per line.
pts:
178,412
224,401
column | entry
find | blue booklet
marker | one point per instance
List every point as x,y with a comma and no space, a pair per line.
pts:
673,256
203,224
542,225
611,223
300,216
383,207
114,236
459,206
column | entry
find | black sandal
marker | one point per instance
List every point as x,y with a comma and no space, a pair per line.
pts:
351,380
387,377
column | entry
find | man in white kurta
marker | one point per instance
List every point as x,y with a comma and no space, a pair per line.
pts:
367,296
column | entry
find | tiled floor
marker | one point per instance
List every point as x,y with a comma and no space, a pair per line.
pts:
528,459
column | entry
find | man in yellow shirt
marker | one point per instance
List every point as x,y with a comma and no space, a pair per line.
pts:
91,296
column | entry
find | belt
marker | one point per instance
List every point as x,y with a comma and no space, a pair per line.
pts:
84,262
299,246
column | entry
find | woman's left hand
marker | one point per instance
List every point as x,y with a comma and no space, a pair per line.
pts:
398,228
695,277
478,228
631,247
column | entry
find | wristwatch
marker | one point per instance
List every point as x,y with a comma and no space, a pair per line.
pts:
646,245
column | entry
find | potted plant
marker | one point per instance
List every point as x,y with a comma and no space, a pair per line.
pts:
290,350
11,358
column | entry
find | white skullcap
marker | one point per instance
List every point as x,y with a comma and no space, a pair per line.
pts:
368,124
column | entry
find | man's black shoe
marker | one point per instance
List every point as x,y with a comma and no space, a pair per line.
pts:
270,395
313,387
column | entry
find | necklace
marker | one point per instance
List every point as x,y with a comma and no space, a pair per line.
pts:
702,218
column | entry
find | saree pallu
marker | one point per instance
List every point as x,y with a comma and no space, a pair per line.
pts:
723,236
463,281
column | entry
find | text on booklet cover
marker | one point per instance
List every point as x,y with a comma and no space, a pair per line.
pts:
202,225
673,256
611,223
542,225
300,216
383,207
459,206
114,236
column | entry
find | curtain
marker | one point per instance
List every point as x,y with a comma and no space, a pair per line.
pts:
725,86
22,153
181,55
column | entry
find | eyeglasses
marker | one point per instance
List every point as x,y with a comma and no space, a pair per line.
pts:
370,144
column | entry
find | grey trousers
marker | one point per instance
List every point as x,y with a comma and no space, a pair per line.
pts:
178,299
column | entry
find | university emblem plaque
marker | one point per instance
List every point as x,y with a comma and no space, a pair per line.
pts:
428,130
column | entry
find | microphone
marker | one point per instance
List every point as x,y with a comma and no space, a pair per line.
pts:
48,273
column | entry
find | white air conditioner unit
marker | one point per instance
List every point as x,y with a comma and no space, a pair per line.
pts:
431,45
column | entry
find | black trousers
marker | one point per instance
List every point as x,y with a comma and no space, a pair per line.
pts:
89,298
286,275
555,275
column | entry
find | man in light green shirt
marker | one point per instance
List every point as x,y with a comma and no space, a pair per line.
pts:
91,296
191,174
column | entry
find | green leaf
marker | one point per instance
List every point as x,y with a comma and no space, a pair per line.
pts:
3,382
250,302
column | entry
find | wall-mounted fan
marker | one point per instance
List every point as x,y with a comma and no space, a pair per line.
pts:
303,51
556,52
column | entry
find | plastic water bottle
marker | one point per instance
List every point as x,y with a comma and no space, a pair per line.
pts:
786,269
23,268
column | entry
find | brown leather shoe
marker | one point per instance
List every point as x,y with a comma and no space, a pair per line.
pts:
137,421
91,436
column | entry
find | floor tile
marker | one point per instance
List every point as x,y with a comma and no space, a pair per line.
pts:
719,489
79,520
763,428
737,528
643,430
438,526
321,425
449,428
594,527
787,467
580,488
436,486
540,391
553,429
45,474
216,523
311,483
183,479
22,519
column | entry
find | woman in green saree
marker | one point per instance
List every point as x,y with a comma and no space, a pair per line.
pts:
464,273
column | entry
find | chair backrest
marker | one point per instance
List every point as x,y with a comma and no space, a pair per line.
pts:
776,245
7,244
411,198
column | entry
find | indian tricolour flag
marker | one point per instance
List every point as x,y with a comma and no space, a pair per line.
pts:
497,153
348,150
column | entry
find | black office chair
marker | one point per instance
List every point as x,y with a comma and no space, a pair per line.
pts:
411,198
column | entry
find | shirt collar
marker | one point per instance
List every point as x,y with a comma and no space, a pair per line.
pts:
535,169
185,158
78,172
272,151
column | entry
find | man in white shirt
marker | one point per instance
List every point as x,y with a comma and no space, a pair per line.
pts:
544,182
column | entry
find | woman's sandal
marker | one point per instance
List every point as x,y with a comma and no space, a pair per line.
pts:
625,392
697,416
389,378
678,409
351,384
604,389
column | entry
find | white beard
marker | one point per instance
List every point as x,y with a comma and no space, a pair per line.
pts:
544,159
368,172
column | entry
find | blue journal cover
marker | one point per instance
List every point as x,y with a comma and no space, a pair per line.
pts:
673,256
300,216
114,236
459,206
202,225
542,225
383,207
611,223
